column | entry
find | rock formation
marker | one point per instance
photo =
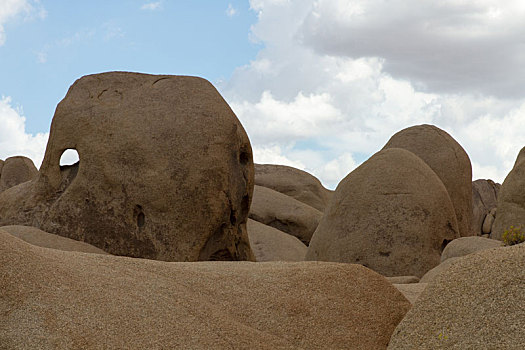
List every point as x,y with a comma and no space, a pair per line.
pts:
293,182
37,237
90,301
476,304
270,244
392,214
484,201
468,245
165,171
511,199
284,213
448,160
16,170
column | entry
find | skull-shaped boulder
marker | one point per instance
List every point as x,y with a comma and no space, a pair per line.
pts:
165,170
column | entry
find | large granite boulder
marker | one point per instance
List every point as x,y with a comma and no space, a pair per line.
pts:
270,244
433,273
284,213
165,171
391,214
35,236
468,245
478,303
1,166
16,170
484,200
448,160
293,182
511,199
62,300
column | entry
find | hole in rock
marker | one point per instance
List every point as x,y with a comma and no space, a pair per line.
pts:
69,157
141,218
444,244
244,157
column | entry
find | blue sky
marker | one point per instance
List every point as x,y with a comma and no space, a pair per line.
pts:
318,84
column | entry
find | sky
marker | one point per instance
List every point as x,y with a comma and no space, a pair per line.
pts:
320,85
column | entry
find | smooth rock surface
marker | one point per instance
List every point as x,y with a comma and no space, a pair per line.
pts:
37,237
16,170
293,182
448,160
391,214
484,199
511,199
284,213
165,171
270,244
67,300
478,304
468,245
411,291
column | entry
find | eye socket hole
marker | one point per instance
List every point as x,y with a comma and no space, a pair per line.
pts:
69,157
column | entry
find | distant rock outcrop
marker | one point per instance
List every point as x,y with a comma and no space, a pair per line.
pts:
511,199
43,239
16,170
284,213
165,171
468,245
293,182
476,304
484,201
448,160
392,214
52,299
270,244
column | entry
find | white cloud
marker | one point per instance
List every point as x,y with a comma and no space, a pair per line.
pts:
151,6
10,9
231,11
14,141
312,101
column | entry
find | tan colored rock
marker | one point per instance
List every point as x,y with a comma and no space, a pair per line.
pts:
284,213
270,244
61,300
484,199
431,275
391,214
487,224
511,199
402,279
448,160
293,182
16,170
411,291
477,304
165,171
468,245
1,166
37,237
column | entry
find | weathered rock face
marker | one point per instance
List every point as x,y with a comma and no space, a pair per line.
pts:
145,304
511,199
35,236
1,166
468,245
270,244
441,268
165,170
484,200
448,160
284,213
411,291
16,170
293,182
476,304
391,214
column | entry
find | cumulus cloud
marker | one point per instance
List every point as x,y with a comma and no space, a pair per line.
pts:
14,141
151,6
444,46
231,11
314,101
9,9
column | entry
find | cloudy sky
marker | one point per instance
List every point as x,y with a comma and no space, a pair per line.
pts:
318,84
